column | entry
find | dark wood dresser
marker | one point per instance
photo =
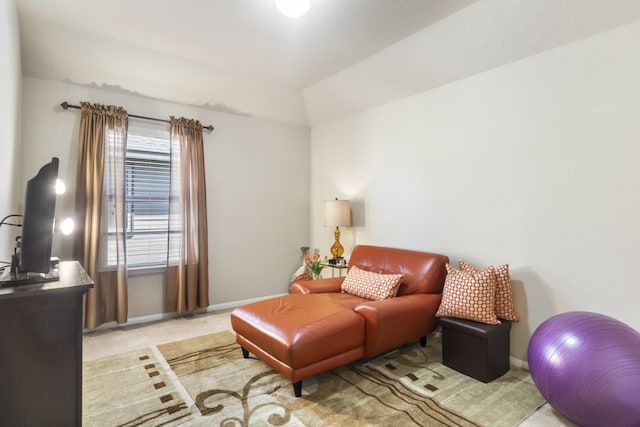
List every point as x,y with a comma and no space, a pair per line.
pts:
41,350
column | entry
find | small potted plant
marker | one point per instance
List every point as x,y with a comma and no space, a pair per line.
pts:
315,265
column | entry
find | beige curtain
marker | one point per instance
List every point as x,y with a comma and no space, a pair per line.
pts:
188,266
100,212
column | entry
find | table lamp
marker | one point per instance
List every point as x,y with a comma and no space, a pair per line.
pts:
337,213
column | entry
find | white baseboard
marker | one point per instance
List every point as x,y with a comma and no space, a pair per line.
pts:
233,304
519,363
148,319
210,309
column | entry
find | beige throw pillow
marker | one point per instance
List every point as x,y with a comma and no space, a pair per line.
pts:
370,285
469,296
504,292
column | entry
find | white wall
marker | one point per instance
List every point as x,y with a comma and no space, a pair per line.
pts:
115,65
534,164
257,174
484,35
10,78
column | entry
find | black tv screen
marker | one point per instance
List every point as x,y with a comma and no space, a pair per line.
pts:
38,220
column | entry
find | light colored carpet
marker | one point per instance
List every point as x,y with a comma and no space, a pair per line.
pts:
205,381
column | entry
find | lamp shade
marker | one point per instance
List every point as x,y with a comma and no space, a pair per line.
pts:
337,213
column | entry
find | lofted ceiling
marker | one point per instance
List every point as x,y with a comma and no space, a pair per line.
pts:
344,56
251,37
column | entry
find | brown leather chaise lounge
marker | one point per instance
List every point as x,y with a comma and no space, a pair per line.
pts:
317,327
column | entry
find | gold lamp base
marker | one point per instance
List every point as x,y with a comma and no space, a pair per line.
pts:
337,250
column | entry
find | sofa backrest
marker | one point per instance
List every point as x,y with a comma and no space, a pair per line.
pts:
423,272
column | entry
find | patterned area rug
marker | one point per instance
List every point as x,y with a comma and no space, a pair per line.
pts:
204,381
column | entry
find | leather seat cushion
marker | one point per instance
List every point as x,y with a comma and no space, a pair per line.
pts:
300,330
347,301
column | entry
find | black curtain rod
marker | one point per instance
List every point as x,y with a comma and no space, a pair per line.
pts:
66,106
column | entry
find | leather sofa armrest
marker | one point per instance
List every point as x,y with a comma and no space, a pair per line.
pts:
395,321
317,286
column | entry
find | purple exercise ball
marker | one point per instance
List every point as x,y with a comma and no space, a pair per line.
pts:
587,366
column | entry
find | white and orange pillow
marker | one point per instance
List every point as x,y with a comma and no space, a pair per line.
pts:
504,292
469,295
370,285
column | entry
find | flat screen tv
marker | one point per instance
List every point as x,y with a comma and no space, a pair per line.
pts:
32,260
38,220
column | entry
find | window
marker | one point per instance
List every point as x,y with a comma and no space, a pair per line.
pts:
147,183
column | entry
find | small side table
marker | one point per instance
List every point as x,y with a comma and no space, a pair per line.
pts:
339,268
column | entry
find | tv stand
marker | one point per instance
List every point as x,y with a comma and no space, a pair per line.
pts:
41,349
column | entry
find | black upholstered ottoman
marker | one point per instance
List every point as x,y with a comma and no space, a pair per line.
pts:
476,349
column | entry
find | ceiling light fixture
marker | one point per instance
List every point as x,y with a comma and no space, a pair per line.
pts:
293,8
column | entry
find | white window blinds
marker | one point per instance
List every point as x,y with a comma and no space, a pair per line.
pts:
147,183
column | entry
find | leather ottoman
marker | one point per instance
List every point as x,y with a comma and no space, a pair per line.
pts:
299,335
478,350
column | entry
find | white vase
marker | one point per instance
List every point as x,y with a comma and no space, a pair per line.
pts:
303,269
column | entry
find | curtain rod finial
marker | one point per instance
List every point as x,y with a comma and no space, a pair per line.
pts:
65,105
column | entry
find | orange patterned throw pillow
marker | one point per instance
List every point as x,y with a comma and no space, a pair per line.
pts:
469,296
504,292
370,285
